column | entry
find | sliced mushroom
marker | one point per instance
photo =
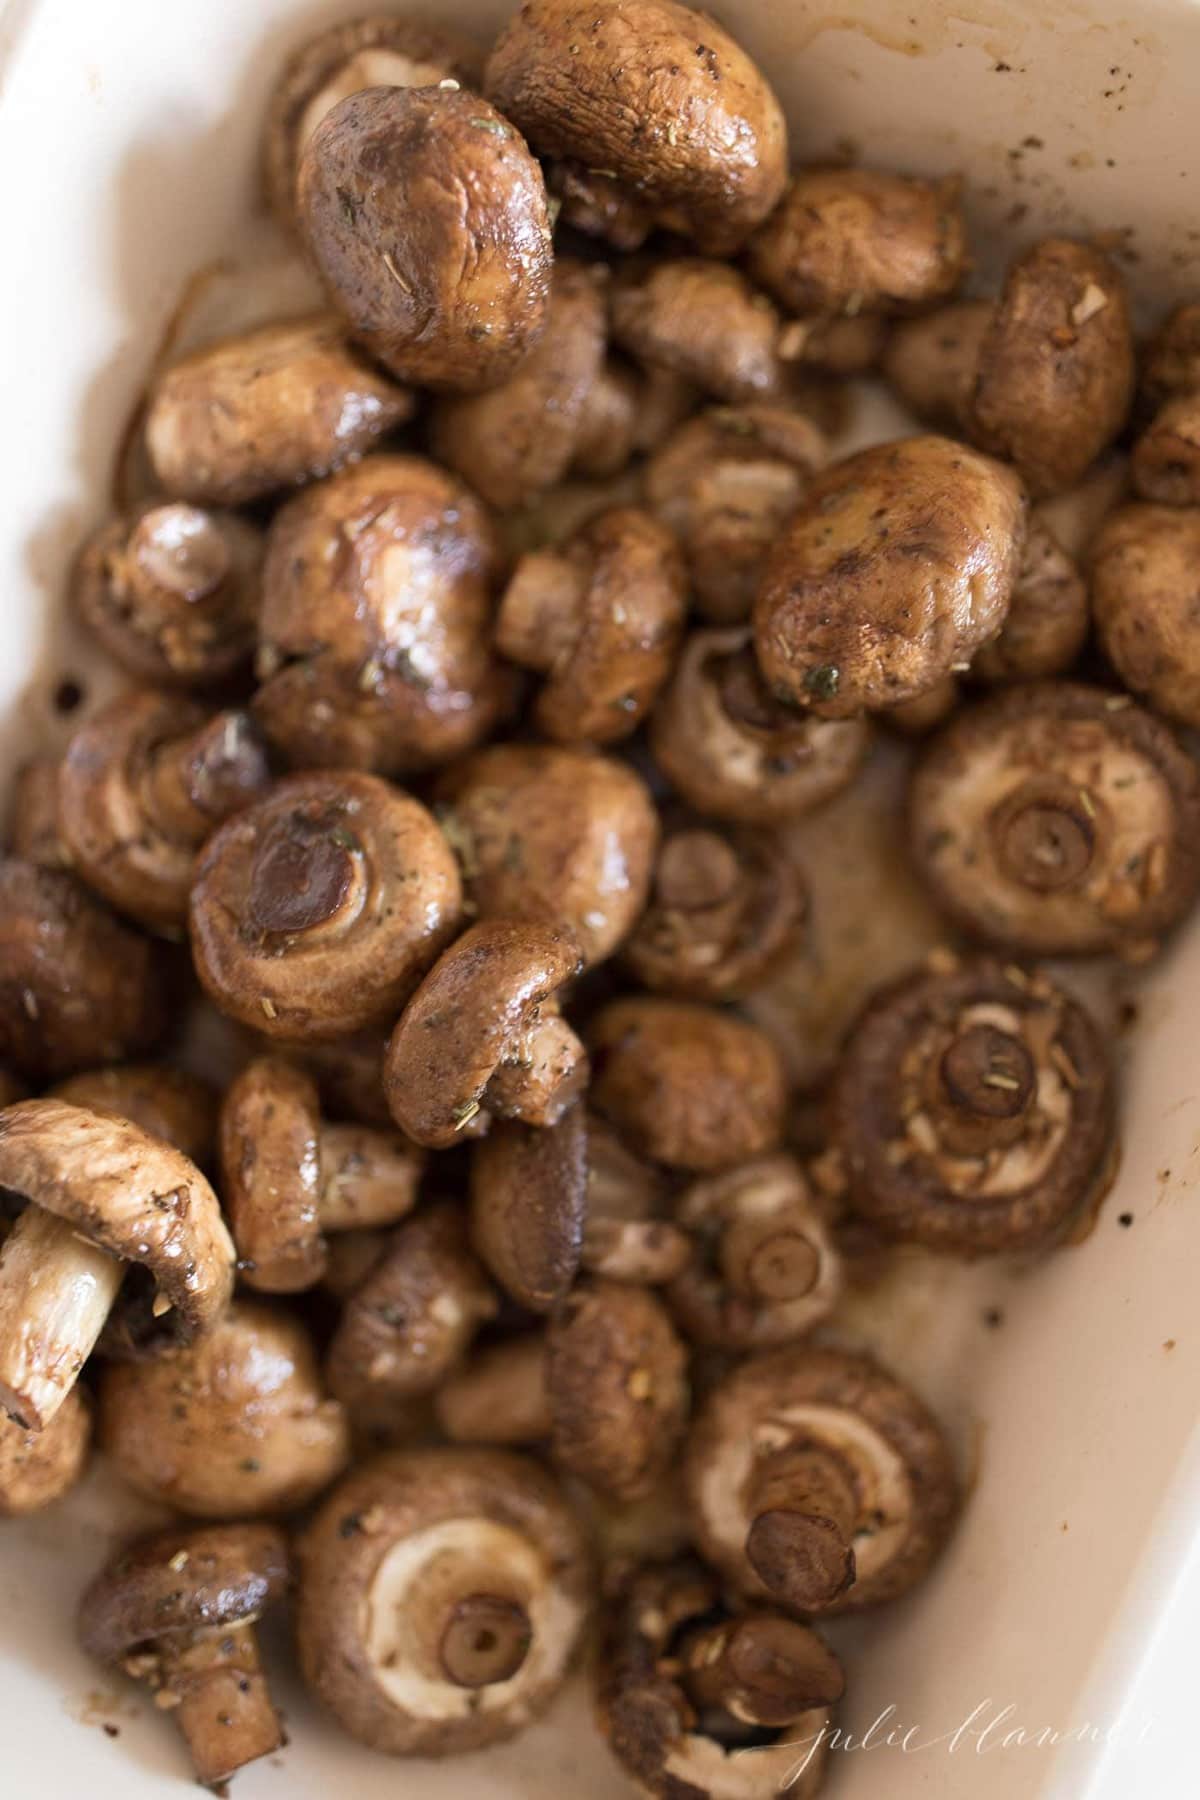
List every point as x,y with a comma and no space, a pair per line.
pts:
898,566
33,834
167,1103
529,1193
704,321
39,1467
238,1423
690,1086
973,1108
817,1480
628,1234
1048,616
315,912
693,131
932,361
555,833
601,618
1058,818
178,1611
483,1037
442,1596
426,218
1145,589
499,1396
733,751
172,592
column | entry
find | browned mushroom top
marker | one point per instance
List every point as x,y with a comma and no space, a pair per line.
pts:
39,1467
1145,590
594,202
499,1396
702,320
1058,818
314,913
426,218
1165,464
693,130
932,361
168,1103
172,592
483,1036
898,566
1048,616
548,832
442,1595
1171,360
529,1202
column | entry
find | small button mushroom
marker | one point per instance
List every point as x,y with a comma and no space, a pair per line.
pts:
692,130
616,1387
39,1467
726,484
596,204
1058,819
167,1103
726,906
426,218
499,1396
378,51
1165,463
974,1109
690,1086
252,414
601,618
235,1424
442,1596
856,241
817,1480
1145,589
1171,359
483,1036
314,913
932,361
142,785
898,566
529,1191
100,1194
628,1234
765,1269
733,751
33,834
171,593
702,320
561,834
703,1698
1048,616
178,1611
77,984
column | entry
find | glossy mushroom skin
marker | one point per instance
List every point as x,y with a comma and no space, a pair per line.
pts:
236,1424
601,619
168,1103
425,216
1048,616
693,132
314,913
529,1202
1145,587
171,592
1058,819
39,1467
932,361
899,565
732,751
704,321
556,833
688,1085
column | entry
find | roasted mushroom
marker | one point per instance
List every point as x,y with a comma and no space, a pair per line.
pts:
733,751
178,1610
1145,568
426,218
172,592
529,1196
692,131
39,1467
601,618
629,1234
1058,818
726,484
315,912
33,834
594,202
1171,360
168,1103
499,1396
483,1036
442,1595
561,834
932,361
1048,615
918,717
708,1700
1165,464
704,321
836,346
898,566
288,1176
819,1481
235,1424
690,1086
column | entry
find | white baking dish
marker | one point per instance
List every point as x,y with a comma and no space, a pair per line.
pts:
127,138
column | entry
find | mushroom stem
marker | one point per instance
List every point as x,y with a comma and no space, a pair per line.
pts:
804,1506
762,1669
194,781
769,1259
368,1177
217,1689
539,615
56,1291
486,1641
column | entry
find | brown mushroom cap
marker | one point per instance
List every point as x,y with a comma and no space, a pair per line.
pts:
553,833
77,985
529,1191
702,320
33,833
932,361
39,1467
840,1425
1058,818
236,1424
596,204
1048,616
172,592
314,913
167,1103
1171,360
1165,464
602,618
499,1396
690,1086
841,346
426,218
898,566
482,1035
1145,587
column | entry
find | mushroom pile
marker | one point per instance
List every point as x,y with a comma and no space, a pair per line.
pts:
488,632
